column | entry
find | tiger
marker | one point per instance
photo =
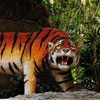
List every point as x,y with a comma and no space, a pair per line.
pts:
29,53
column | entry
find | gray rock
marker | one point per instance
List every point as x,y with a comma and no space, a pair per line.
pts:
78,95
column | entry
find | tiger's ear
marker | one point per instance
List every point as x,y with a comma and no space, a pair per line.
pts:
50,45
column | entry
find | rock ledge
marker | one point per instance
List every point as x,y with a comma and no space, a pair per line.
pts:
78,95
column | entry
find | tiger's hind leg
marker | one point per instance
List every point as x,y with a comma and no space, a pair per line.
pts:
30,78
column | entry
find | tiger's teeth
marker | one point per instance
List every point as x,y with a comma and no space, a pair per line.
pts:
62,57
62,60
67,58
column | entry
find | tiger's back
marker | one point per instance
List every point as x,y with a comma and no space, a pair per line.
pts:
11,47
27,53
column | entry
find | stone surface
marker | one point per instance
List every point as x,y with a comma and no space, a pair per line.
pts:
19,26
78,95
23,15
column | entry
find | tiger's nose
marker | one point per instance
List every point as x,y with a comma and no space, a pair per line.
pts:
66,50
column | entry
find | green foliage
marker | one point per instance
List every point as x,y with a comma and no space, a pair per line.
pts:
15,87
81,19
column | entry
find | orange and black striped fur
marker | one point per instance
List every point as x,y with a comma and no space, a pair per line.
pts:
29,53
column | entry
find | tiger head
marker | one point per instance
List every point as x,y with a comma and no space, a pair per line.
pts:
63,55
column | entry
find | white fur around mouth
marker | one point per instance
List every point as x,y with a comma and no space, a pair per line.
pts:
63,67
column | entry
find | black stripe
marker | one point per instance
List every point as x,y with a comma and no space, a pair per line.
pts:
55,37
36,73
66,77
47,46
45,37
29,35
52,40
2,51
60,39
3,69
11,69
69,88
24,76
26,81
46,57
51,59
34,40
54,68
36,66
14,42
24,48
1,39
43,64
64,81
20,45
64,73
56,31
16,67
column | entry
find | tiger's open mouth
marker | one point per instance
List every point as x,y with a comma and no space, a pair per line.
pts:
64,60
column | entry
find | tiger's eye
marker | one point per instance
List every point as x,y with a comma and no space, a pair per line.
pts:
60,45
71,45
